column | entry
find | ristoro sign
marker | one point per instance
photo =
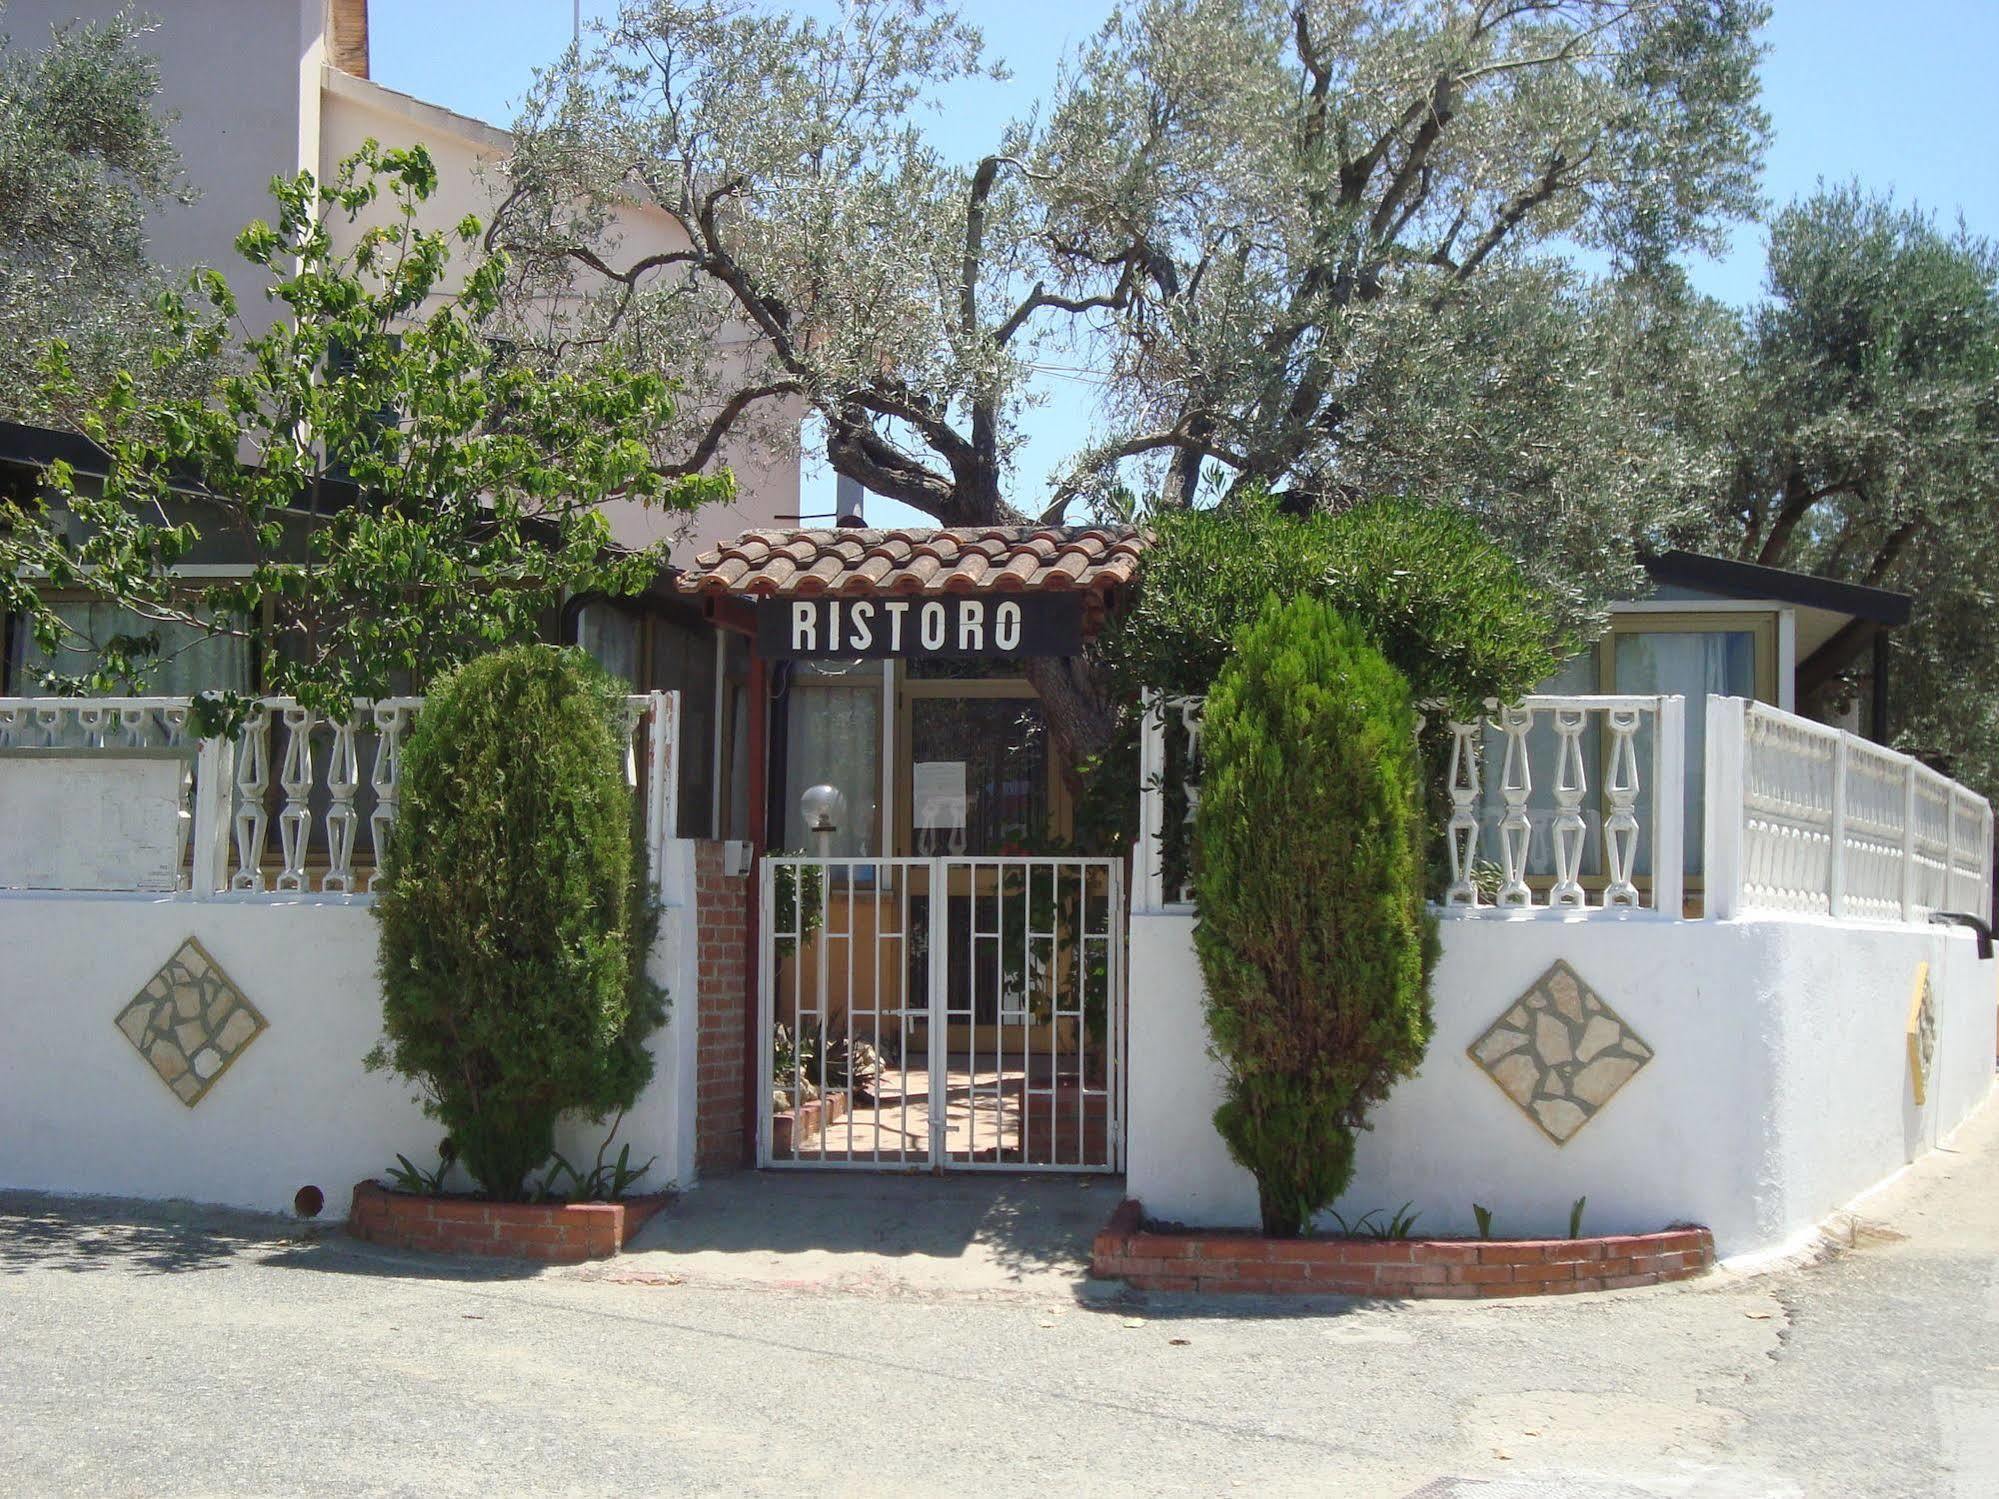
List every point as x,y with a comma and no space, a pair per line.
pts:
989,625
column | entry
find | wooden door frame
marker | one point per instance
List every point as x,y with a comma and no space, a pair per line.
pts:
907,690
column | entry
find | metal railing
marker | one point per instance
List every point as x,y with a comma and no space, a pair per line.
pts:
1803,817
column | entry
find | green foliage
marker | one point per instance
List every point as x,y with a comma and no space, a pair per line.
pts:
1369,1225
1866,447
407,1176
1483,1215
515,912
1449,609
605,1181
1576,1217
418,496
1313,937
85,156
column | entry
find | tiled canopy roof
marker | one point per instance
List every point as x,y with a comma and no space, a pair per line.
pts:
959,560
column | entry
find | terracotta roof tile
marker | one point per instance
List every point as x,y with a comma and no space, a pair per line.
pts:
918,561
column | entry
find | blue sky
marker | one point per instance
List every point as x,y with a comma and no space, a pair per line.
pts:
1884,91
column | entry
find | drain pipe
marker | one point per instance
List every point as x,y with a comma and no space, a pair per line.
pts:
1977,924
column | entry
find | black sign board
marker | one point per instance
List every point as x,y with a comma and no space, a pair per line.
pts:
1003,626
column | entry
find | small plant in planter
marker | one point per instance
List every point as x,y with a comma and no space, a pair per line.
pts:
515,913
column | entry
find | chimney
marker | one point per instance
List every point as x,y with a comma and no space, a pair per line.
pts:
848,505
347,35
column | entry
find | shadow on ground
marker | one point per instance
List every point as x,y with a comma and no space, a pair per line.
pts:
42,1231
971,1233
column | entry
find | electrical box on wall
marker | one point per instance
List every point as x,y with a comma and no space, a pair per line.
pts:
736,857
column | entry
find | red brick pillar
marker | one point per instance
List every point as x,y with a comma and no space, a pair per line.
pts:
721,908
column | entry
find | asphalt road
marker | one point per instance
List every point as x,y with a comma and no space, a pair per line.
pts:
152,1352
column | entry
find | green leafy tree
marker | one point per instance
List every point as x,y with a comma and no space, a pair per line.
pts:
1867,445
402,492
1313,938
84,157
1450,610
515,911
1312,246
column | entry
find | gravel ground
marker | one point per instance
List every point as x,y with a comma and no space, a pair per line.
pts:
150,1350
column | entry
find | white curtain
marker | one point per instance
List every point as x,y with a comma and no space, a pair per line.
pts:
610,637
1695,664
833,736
187,662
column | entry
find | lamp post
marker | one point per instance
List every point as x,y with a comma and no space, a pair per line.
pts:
823,807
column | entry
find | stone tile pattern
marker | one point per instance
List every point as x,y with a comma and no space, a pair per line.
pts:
1560,1053
190,1022
1151,1259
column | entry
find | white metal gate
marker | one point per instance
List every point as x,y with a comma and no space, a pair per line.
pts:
942,1013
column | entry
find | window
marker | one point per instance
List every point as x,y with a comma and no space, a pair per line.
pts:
187,662
1694,654
833,727
610,637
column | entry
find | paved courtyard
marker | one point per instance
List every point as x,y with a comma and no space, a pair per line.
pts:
789,1336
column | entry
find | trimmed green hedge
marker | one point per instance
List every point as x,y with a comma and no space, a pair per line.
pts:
1313,938
516,913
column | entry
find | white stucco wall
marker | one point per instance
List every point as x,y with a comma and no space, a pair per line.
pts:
235,74
82,1112
470,155
1779,1089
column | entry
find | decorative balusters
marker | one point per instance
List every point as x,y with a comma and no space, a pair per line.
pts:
390,719
1516,784
343,779
1620,829
1190,781
296,777
253,780
1462,830
1571,781
634,713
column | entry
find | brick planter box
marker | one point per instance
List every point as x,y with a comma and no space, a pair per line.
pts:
1220,1261
794,1129
564,1232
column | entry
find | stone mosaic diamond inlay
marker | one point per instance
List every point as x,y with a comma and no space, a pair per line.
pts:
190,1022
1560,1053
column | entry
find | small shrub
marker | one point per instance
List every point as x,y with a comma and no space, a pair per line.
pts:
516,915
1313,937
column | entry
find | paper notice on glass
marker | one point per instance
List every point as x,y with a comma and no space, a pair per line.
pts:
937,793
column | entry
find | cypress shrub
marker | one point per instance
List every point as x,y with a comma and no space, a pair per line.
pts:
516,914
1313,936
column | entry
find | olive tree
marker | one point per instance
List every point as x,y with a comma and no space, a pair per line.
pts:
1313,246
85,155
1865,445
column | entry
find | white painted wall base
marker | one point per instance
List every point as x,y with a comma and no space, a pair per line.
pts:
1779,1089
82,1112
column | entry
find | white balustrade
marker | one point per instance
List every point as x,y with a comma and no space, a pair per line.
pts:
1587,733
1803,817
1603,731
227,789
1162,759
